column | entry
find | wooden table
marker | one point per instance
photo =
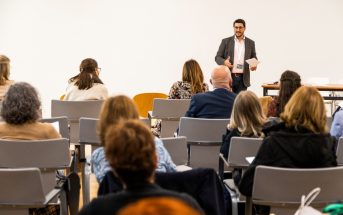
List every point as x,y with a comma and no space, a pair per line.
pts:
329,88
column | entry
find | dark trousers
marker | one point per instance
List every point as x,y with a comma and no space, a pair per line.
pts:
237,83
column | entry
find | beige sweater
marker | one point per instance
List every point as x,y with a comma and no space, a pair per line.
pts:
28,131
97,92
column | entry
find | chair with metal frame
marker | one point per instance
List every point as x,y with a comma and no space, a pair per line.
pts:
240,149
204,137
144,102
282,188
47,155
169,111
22,189
177,148
88,136
339,152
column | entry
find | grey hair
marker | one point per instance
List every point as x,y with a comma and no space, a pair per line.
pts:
21,104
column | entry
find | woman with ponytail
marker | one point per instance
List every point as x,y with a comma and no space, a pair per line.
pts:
87,84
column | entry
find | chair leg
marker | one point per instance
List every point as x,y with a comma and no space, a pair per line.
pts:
63,203
73,193
248,206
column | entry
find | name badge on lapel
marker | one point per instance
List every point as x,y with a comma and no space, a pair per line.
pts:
239,66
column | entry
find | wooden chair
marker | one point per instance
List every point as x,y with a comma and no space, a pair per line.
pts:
282,188
169,111
144,102
204,137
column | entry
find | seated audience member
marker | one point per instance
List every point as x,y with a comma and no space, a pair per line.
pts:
4,76
301,140
214,104
337,122
157,206
87,84
21,111
192,82
289,82
130,150
113,110
247,119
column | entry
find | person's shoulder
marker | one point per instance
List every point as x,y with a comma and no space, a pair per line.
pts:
98,205
249,40
49,129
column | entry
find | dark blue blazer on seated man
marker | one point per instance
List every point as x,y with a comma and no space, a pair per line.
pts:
216,104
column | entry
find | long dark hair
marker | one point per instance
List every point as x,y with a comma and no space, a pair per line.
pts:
289,82
87,76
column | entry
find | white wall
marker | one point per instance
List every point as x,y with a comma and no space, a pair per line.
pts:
142,45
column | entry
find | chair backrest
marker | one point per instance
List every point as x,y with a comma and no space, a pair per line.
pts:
240,149
144,102
265,101
177,148
339,151
74,110
282,188
48,155
204,137
62,123
88,133
22,185
169,111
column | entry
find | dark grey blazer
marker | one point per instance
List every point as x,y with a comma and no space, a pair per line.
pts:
227,48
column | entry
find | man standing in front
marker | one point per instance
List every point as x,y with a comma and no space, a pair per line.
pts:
233,53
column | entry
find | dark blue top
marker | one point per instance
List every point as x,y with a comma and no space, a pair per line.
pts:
216,104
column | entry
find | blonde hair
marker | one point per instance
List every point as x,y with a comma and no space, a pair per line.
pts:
4,69
306,108
113,110
247,115
192,73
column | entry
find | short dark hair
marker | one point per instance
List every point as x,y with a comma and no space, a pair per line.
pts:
21,104
239,21
130,150
87,76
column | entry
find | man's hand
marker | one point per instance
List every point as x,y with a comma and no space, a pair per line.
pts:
253,68
228,64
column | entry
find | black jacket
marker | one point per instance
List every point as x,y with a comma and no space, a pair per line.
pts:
292,148
112,203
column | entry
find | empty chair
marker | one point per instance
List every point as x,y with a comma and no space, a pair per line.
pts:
21,189
169,111
204,137
177,148
47,155
74,110
144,102
282,188
88,136
63,125
339,151
240,149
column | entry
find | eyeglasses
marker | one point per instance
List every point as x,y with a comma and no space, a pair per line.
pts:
239,27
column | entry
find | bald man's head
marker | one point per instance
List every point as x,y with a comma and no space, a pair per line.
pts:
221,78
